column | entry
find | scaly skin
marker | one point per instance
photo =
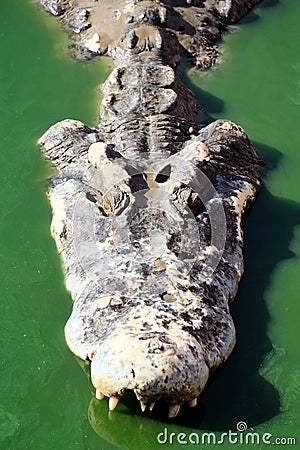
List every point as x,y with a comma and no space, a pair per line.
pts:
147,210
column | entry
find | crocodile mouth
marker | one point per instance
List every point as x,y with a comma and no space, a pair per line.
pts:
164,366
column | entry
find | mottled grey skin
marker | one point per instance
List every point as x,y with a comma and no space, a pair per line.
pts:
147,210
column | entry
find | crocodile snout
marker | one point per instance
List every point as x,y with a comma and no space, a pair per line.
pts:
172,367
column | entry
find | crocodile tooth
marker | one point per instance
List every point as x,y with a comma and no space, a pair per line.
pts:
113,401
99,394
192,403
173,410
143,406
151,406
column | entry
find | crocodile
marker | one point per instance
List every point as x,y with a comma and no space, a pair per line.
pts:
148,206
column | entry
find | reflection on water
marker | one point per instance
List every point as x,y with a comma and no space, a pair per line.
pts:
114,426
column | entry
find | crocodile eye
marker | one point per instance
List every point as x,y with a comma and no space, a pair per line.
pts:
169,298
106,206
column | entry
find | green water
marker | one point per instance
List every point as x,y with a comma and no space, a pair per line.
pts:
45,398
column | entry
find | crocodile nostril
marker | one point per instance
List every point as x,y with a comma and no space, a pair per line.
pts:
155,346
158,347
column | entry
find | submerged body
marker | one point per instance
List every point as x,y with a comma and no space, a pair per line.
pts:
147,210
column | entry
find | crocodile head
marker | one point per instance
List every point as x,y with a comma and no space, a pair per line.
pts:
151,280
